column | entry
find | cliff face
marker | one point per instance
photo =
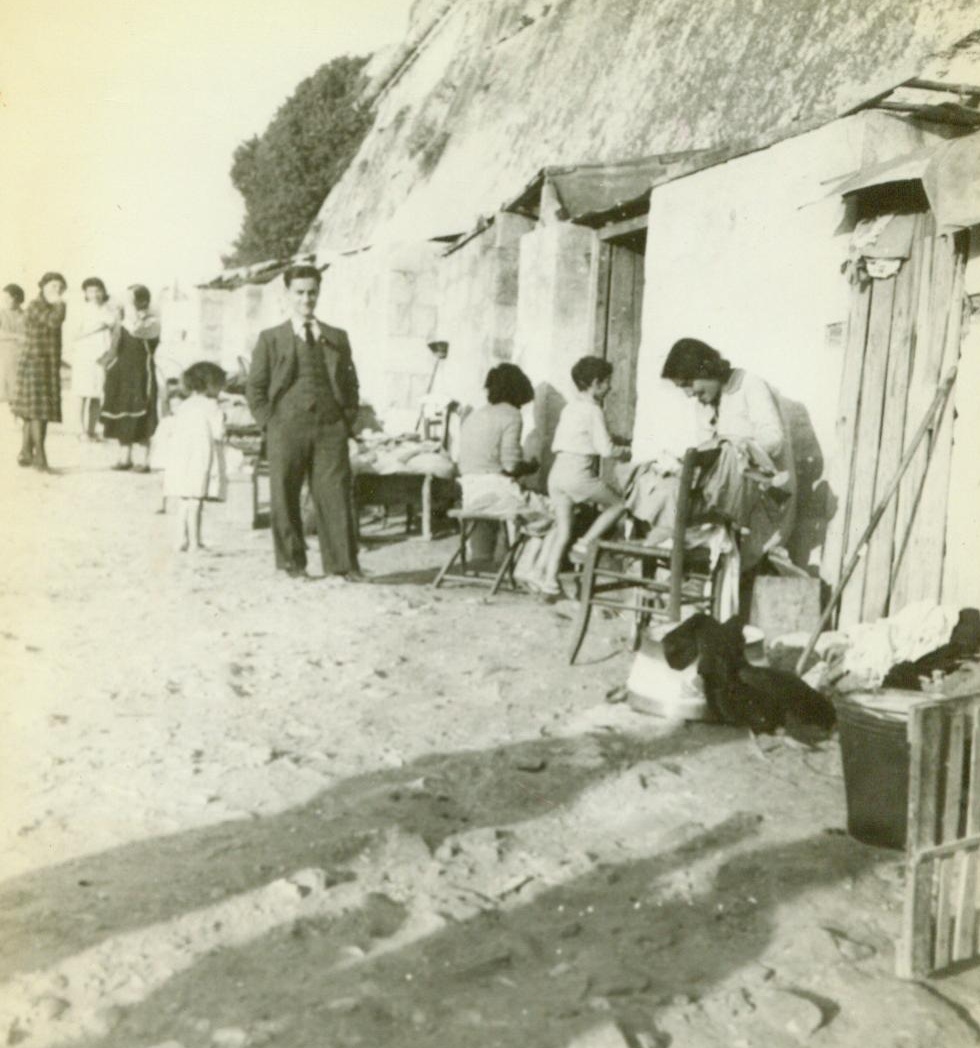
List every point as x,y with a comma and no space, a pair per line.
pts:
483,93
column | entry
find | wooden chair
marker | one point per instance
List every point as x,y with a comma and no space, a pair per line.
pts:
517,537
690,579
941,926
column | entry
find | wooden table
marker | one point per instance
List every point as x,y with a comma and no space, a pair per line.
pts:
421,495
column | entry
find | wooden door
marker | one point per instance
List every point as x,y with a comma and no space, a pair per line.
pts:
903,336
619,310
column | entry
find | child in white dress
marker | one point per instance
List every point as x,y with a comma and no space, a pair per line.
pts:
195,468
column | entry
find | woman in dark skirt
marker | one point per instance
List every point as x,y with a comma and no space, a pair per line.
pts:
129,410
37,392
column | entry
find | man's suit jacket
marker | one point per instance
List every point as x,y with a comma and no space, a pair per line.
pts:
275,366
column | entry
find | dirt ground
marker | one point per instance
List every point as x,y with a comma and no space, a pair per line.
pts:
243,810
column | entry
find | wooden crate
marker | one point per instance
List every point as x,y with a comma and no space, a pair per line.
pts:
941,924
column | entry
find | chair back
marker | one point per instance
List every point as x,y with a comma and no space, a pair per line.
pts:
694,459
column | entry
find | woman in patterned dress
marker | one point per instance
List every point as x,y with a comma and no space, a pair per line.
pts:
129,410
37,395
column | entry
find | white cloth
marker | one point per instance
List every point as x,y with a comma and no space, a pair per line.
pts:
93,339
497,494
195,456
582,429
746,411
872,648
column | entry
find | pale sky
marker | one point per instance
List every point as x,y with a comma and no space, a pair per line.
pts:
119,118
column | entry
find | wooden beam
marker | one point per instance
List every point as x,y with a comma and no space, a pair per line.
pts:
624,228
938,85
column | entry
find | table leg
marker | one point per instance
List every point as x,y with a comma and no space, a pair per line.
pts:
427,507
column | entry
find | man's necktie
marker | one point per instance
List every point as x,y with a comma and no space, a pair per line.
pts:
310,340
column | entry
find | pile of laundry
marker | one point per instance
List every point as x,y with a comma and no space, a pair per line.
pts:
921,648
409,453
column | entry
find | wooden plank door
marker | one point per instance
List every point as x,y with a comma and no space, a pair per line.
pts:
619,310
903,335
922,500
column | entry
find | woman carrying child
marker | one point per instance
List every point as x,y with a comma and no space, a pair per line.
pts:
195,461
581,442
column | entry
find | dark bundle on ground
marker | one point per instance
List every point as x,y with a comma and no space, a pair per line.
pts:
964,643
738,693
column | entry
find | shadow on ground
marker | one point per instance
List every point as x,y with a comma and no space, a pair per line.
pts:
598,948
56,912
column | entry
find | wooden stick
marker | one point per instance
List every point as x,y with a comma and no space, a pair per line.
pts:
910,523
935,408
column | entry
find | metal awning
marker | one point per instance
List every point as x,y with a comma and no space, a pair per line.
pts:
949,173
586,190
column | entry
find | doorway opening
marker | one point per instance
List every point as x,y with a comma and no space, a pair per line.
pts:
618,314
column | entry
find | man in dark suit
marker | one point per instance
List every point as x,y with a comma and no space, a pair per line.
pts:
302,389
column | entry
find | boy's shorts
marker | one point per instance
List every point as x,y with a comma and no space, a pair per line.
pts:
576,477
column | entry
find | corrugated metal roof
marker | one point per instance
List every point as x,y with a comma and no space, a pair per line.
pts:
949,173
591,189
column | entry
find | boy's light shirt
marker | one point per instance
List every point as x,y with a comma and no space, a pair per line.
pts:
582,429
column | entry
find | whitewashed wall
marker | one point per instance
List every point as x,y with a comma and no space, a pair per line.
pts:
477,301
747,256
554,321
385,298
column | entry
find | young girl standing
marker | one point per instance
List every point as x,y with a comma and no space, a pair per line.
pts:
195,461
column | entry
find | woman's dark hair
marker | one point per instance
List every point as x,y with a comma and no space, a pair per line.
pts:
507,384
589,370
16,292
302,273
94,282
690,359
141,295
52,275
202,376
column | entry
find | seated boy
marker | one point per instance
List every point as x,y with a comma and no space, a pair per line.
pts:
581,442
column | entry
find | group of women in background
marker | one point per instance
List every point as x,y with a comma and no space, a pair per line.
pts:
111,357
749,485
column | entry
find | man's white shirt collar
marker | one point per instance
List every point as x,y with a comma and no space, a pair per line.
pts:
299,327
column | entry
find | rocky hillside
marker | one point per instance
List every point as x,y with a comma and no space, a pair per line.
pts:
483,93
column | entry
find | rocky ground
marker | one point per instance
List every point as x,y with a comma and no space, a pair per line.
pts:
241,810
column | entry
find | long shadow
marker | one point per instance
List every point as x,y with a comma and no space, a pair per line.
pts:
419,577
548,405
56,912
813,505
605,946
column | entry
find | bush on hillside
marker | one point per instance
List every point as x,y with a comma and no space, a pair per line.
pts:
285,173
